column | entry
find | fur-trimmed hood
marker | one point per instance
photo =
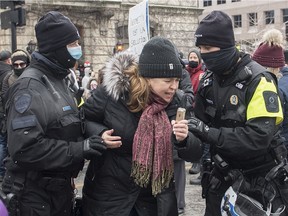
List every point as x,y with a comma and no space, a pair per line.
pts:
115,82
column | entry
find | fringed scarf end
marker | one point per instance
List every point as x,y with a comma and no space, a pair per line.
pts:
141,174
161,182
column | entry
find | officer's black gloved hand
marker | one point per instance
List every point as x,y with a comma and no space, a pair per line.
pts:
93,146
79,94
198,128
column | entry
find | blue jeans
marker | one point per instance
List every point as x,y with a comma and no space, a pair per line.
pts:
3,153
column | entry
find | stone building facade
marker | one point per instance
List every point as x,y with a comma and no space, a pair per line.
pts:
251,18
102,23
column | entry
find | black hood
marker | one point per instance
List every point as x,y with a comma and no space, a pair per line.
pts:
57,71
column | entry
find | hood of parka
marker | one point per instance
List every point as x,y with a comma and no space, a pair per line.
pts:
115,81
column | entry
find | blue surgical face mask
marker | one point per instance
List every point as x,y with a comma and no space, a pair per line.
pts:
75,52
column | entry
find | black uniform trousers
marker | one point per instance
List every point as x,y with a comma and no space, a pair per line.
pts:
38,200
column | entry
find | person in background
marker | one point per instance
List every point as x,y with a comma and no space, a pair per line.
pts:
20,59
91,85
194,68
270,52
5,68
179,164
133,108
283,87
5,63
86,77
45,139
238,112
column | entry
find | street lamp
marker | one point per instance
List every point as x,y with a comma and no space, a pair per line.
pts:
31,46
118,47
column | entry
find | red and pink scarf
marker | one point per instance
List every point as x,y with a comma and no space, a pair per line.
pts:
152,148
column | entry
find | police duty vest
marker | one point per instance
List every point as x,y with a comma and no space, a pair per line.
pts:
233,104
67,123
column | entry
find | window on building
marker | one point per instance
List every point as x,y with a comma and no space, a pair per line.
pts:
269,17
221,2
253,19
122,32
237,21
207,3
236,0
285,15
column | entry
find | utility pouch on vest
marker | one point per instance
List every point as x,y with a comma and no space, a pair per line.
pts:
279,152
221,165
278,149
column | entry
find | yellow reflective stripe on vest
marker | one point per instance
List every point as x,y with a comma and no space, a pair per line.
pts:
81,102
259,107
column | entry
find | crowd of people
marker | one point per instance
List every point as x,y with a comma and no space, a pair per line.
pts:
123,123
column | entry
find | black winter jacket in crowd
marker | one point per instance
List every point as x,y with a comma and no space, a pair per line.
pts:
43,129
243,111
108,187
223,105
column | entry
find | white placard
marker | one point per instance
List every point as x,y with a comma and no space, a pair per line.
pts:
138,26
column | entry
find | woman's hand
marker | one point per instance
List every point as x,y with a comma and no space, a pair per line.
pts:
110,140
180,129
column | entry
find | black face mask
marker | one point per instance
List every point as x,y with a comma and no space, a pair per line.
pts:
193,64
62,58
18,72
222,61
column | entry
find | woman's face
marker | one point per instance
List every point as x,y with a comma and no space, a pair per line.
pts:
193,57
93,84
164,87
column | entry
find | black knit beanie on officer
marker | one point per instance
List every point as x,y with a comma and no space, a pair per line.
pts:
158,59
215,30
54,31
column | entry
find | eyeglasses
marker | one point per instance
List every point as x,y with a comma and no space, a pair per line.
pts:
23,64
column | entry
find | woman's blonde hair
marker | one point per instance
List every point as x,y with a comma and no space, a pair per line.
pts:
139,89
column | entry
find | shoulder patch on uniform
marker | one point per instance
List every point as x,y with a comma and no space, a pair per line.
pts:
24,122
271,101
207,82
22,102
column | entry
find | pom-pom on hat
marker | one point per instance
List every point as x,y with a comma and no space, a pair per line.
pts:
215,30
270,52
54,31
159,59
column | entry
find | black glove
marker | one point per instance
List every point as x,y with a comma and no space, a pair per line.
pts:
198,128
93,146
78,94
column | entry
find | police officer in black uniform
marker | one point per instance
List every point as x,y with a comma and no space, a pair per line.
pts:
238,113
45,141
